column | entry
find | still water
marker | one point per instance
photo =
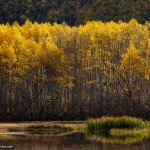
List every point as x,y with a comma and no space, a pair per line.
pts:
56,140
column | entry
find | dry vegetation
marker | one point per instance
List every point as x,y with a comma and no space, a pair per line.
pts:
68,125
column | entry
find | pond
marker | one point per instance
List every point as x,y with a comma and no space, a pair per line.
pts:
57,140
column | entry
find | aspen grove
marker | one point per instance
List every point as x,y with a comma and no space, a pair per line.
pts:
58,72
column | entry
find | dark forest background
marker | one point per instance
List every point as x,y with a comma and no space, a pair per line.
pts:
73,12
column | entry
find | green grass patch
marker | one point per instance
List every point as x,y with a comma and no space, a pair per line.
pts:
108,123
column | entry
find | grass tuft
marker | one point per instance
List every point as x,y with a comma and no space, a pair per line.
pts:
108,123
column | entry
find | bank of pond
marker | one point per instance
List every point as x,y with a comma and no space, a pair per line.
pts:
109,125
101,133
102,124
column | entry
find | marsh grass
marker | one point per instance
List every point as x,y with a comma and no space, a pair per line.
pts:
51,127
108,123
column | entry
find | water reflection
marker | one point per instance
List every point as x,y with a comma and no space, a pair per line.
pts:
57,140
106,137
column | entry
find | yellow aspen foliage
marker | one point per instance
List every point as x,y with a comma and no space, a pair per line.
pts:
51,56
7,53
133,62
147,60
106,32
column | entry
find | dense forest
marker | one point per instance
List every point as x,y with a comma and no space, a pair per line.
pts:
54,72
73,12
